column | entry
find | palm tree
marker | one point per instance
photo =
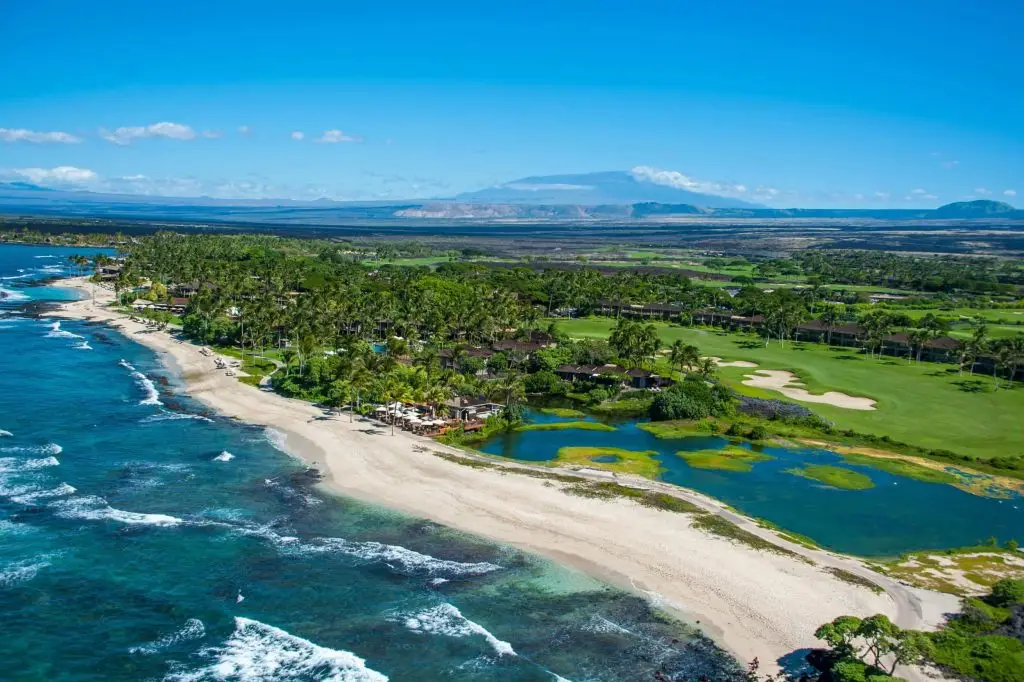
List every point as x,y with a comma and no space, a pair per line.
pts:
707,367
917,338
288,354
682,355
830,317
510,391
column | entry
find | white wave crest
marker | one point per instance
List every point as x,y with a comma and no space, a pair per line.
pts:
5,434
8,464
144,382
33,496
57,333
192,629
93,508
276,438
11,295
84,345
225,456
18,572
49,256
256,651
446,619
9,277
173,416
396,555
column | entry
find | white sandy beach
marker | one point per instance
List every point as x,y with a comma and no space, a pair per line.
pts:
755,604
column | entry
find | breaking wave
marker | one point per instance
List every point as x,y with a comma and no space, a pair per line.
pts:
11,295
172,416
256,651
144,382
18,572
57,333
8,464
446,619
276,438
192,629
6,434
397,557
94,508
224,456
33,495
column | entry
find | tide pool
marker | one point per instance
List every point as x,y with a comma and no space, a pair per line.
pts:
897,515
143,538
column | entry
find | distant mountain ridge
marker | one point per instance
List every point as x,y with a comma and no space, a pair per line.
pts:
596,189
24,198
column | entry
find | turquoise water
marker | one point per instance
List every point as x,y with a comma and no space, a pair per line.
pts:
897,515
142,538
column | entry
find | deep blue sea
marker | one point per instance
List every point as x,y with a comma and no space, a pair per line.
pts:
142,538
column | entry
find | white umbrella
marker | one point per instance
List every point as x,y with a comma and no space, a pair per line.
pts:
382,409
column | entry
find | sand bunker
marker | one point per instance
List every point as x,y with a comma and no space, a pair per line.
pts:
734,363
788,385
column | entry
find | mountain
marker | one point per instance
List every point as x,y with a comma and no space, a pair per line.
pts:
981,208
593,189
23,187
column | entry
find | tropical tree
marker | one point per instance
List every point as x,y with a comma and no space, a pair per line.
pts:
510,391
682,355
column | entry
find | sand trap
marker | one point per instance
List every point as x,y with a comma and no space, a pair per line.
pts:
788,385
734,363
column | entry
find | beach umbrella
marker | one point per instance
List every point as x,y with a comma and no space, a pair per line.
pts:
382,409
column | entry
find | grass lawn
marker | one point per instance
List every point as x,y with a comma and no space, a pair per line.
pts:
732,458
928,404
561,426
837,477
564,412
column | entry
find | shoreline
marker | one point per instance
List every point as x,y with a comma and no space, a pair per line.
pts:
752,603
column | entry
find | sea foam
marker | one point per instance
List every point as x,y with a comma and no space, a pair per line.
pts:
224,456
11,295
172,416
144,382
5,434
396,556
94,508
446,619
193,629
8,464
57,333
22,571
256,651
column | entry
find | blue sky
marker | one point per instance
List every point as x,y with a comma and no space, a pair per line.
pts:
840,103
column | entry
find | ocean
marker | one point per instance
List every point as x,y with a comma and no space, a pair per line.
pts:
144,538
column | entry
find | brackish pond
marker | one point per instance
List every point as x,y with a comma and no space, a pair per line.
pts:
897,515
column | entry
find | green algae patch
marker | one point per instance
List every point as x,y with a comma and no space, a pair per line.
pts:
563,426
901,467
673,429
564,412
640,463
731,458
836,477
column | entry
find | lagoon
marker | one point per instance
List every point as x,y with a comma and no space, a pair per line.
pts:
897,515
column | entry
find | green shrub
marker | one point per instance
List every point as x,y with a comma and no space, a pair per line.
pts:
1007,592
691,399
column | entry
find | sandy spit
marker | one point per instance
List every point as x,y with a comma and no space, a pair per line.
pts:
755,604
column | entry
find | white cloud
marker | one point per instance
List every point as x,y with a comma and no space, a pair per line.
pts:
298,136
982,190
884,196
334,136
61,175
919,192
685,182
22,135
920,195
949,165
244,130
212,134
1010,192
125,135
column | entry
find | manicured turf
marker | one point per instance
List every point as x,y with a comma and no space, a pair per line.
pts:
564,412
902,467
926,404
641,463
727,459
837,477
561,426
